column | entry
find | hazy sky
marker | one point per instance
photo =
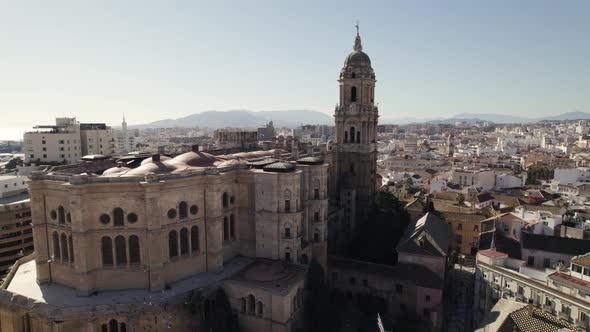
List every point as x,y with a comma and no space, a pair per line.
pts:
163,59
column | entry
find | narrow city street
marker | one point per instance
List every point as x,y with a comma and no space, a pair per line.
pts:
459,297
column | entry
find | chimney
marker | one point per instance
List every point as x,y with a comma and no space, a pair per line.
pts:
156,157
277,154
195,148
530,308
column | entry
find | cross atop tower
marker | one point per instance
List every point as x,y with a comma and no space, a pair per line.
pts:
357,41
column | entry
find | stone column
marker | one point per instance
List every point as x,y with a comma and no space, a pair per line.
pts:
40,232
83,250
154,254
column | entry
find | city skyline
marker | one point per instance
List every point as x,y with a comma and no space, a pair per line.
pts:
151,62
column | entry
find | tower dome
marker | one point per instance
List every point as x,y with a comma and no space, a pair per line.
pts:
357,64
357,58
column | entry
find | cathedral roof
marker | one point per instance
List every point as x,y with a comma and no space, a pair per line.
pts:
281,166
310,161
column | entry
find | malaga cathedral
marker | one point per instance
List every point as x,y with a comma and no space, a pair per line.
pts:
120,246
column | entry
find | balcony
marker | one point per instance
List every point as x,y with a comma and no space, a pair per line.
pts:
521,298
548,308
582,324
507,291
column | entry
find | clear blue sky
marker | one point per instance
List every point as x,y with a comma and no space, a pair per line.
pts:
161,59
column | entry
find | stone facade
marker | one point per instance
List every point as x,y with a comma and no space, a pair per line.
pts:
146,230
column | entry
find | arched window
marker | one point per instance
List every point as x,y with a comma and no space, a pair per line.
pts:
243,305
62,214
123,327
346,137
259,309
56,252
358,136
120,251
353,75
134,255
316,235
182,210
107,251
173,244
225,229
71,247
232,224
113,326
184,241
104,328
118,217
251,304
64,248
224,200
353,94
352,132
195,238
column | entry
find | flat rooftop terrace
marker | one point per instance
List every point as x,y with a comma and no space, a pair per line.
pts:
23,290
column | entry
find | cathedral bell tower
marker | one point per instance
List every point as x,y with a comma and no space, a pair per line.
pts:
356,131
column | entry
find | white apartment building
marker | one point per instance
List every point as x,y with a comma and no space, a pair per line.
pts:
12,184
537,222
562,292
437,184
97,138
483,179
571,175
67,141
508,180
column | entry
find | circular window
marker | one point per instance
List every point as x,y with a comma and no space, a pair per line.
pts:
53,214
232,199
132,217
194,209
172,213
105,218
69,217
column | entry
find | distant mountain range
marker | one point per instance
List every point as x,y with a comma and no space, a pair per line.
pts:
293,118
495,118
244,118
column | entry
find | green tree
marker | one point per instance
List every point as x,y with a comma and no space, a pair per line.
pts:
223,318
538,173
460,199
217,318
12,163
319,316
376,238
408,183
